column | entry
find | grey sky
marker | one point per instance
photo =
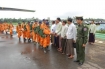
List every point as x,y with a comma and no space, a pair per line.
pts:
54,8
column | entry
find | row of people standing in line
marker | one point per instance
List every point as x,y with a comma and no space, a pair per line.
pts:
65,35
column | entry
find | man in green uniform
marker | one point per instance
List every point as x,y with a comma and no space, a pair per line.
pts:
82,36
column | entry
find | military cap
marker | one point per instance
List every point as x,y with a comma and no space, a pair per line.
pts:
79,17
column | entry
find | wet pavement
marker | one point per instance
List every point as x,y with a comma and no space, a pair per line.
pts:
20,55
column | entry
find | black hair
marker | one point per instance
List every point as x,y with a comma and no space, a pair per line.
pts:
58,19
53,22
69,19
64,21
92,20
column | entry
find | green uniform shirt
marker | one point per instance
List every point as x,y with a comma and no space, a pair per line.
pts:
82,32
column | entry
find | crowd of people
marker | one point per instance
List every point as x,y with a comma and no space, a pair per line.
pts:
64,35
5,27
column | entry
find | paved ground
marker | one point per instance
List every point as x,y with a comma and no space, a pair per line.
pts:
19,55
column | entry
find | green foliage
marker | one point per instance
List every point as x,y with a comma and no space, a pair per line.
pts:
14,20
101,31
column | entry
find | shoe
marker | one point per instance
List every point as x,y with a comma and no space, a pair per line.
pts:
45,50
71,57
80,63
76,61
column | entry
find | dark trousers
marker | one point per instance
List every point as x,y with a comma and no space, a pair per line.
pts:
57,41
63,44
91,37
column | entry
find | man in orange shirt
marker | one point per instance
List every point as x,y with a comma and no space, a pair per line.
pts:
11,27
28,32
24,30
35,24
6,26
19,30
46,40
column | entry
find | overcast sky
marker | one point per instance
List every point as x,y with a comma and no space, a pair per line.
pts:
54,8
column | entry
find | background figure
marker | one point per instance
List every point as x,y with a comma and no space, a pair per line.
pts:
52,31
71,37
92,31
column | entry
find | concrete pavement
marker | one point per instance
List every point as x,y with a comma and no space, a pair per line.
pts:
20,55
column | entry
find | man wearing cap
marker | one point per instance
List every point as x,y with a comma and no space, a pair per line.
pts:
19,30
24,30
82,36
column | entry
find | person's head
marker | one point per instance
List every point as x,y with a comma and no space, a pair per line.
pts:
92,21
28,22
69,20
44,21
63,22
79,20
36,21
47,23
19,24
53,22
58,20
40,22
24,22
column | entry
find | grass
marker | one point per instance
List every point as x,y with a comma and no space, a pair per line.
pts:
101,31
15,23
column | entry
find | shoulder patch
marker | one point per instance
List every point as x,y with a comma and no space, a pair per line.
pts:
85,29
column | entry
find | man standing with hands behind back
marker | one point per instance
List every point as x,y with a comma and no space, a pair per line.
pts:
82,36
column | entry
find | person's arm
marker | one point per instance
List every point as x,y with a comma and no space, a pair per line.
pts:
85,35
74,33
94,29
65,32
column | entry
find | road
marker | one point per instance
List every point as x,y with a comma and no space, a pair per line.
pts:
20,55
